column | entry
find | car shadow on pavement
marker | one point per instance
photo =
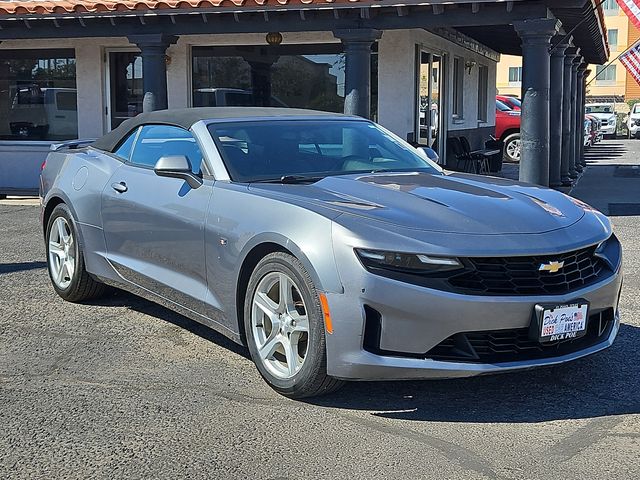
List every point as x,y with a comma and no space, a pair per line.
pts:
120,298
21,266
607,383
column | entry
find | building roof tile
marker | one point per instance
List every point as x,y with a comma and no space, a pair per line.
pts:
48,7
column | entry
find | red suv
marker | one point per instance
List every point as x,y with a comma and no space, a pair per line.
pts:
508,131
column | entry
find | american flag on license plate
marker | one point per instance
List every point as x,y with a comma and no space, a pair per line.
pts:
631,60
632,9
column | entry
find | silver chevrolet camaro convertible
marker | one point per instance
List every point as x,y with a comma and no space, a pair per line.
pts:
331,248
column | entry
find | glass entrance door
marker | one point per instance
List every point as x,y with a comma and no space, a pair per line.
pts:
125,87
429,116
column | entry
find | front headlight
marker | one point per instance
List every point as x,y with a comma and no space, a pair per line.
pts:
414,263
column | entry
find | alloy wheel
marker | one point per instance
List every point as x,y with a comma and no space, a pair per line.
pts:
513,150
280,325
62,253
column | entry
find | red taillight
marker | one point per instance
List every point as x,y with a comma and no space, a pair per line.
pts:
44,164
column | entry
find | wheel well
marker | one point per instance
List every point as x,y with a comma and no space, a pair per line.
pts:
509,132
256,254
51,204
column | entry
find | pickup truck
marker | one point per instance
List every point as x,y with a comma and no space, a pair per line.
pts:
508,131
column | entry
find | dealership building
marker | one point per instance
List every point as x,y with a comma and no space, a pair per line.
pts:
426,71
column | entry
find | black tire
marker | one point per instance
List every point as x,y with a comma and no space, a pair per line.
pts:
3,196
82,286
507,141
312,379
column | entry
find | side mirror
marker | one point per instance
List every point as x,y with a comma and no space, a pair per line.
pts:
429,153
177,166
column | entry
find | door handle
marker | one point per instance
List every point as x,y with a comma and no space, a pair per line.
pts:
119,187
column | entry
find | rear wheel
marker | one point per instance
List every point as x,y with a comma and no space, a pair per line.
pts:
511,151
285,328
65,260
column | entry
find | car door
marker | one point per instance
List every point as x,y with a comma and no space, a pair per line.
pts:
154,226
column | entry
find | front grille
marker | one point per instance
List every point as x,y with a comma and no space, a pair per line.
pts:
500,346
522,275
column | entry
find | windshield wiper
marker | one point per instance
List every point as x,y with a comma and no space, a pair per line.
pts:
290,179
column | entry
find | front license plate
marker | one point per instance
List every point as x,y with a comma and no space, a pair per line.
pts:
563,322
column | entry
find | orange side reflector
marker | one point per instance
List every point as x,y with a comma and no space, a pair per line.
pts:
325,312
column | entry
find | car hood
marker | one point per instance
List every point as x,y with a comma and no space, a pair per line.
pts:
452,203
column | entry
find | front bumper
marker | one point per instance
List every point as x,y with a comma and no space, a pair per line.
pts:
634,129
416,319
608,129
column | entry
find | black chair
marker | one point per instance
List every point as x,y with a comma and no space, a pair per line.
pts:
464,161
483,156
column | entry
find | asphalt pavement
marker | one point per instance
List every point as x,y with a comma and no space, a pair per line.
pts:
123,388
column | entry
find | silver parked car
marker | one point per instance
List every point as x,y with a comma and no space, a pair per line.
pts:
331,248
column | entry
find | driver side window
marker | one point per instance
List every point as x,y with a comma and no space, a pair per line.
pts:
157,141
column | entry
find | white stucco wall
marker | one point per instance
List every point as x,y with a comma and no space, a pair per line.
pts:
397,95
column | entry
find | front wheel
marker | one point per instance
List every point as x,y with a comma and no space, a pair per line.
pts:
512,145
65,260
285,328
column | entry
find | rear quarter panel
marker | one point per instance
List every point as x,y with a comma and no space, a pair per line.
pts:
78,177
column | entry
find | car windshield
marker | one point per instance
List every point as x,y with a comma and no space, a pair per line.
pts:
503,107
308,150
515,101
598,109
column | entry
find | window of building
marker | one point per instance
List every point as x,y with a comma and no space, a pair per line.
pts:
612,35
605,75
458,87
157,141
300,76
483,92
515,75
38,95
611,7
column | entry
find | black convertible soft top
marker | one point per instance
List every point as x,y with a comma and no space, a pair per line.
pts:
186,117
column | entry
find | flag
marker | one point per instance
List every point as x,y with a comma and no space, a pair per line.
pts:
632,9
631,61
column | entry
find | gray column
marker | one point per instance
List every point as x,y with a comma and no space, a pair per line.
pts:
555,112
536,37
153,49
579,138
357,47
582,81
570,55
575,131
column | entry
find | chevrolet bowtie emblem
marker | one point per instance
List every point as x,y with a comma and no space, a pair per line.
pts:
551,267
